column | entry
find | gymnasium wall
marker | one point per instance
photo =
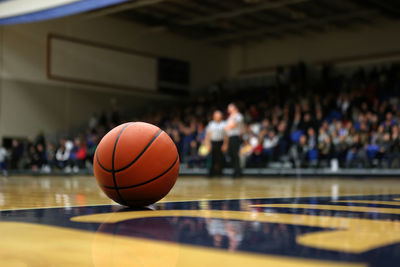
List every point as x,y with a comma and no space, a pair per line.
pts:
102,65
30,101
316,47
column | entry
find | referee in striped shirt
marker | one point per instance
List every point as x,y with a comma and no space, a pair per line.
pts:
215,134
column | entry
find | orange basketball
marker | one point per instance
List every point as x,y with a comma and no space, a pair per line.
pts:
136,164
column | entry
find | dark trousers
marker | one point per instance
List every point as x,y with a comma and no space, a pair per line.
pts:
217,158
233,151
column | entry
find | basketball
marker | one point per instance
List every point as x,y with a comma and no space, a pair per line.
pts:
136,164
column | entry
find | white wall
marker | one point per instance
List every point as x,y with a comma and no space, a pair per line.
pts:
68,59
30,102
364,40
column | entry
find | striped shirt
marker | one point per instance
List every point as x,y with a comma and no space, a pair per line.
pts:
216,130
238,120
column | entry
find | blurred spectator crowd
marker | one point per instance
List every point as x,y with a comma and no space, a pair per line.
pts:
301,120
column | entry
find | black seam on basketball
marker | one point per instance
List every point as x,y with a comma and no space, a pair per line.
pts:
101,166
112,166
149,181
131,163
141,153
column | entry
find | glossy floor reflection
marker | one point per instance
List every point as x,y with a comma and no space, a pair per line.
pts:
220,222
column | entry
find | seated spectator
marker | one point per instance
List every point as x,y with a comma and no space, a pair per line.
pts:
307,122
63,155
201,133
176,137
92,142
3,160
51,157
382,154
256,158
254,128
340,128
325,151
78,154
299,152
322,135
389,121
357,154
266,125
73,162
196,159
319,116
245,152
284,140
394,156
17,152
269,144
188,135
312,147
34,158
253,140
377,137
341,145
296,121
40,139
41,152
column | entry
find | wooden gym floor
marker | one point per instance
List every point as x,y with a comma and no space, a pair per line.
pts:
67,221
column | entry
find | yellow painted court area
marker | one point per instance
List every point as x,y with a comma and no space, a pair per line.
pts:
33,245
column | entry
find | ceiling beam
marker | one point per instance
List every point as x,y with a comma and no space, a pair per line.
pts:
242,11
291,26
122,7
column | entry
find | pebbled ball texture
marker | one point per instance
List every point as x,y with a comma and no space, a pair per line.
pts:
136,164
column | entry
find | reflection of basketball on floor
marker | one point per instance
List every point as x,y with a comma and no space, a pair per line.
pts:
136,164
137,243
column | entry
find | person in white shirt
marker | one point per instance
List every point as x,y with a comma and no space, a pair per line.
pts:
233,131
63,154
215,134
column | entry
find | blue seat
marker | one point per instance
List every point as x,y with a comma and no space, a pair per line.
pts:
372,150
312,154
295,136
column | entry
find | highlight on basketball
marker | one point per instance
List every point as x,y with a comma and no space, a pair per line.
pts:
188,133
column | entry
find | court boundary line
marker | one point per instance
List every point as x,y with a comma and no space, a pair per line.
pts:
177,201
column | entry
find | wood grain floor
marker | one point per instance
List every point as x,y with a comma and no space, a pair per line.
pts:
20,192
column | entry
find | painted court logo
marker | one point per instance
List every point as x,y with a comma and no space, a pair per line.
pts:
349,231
